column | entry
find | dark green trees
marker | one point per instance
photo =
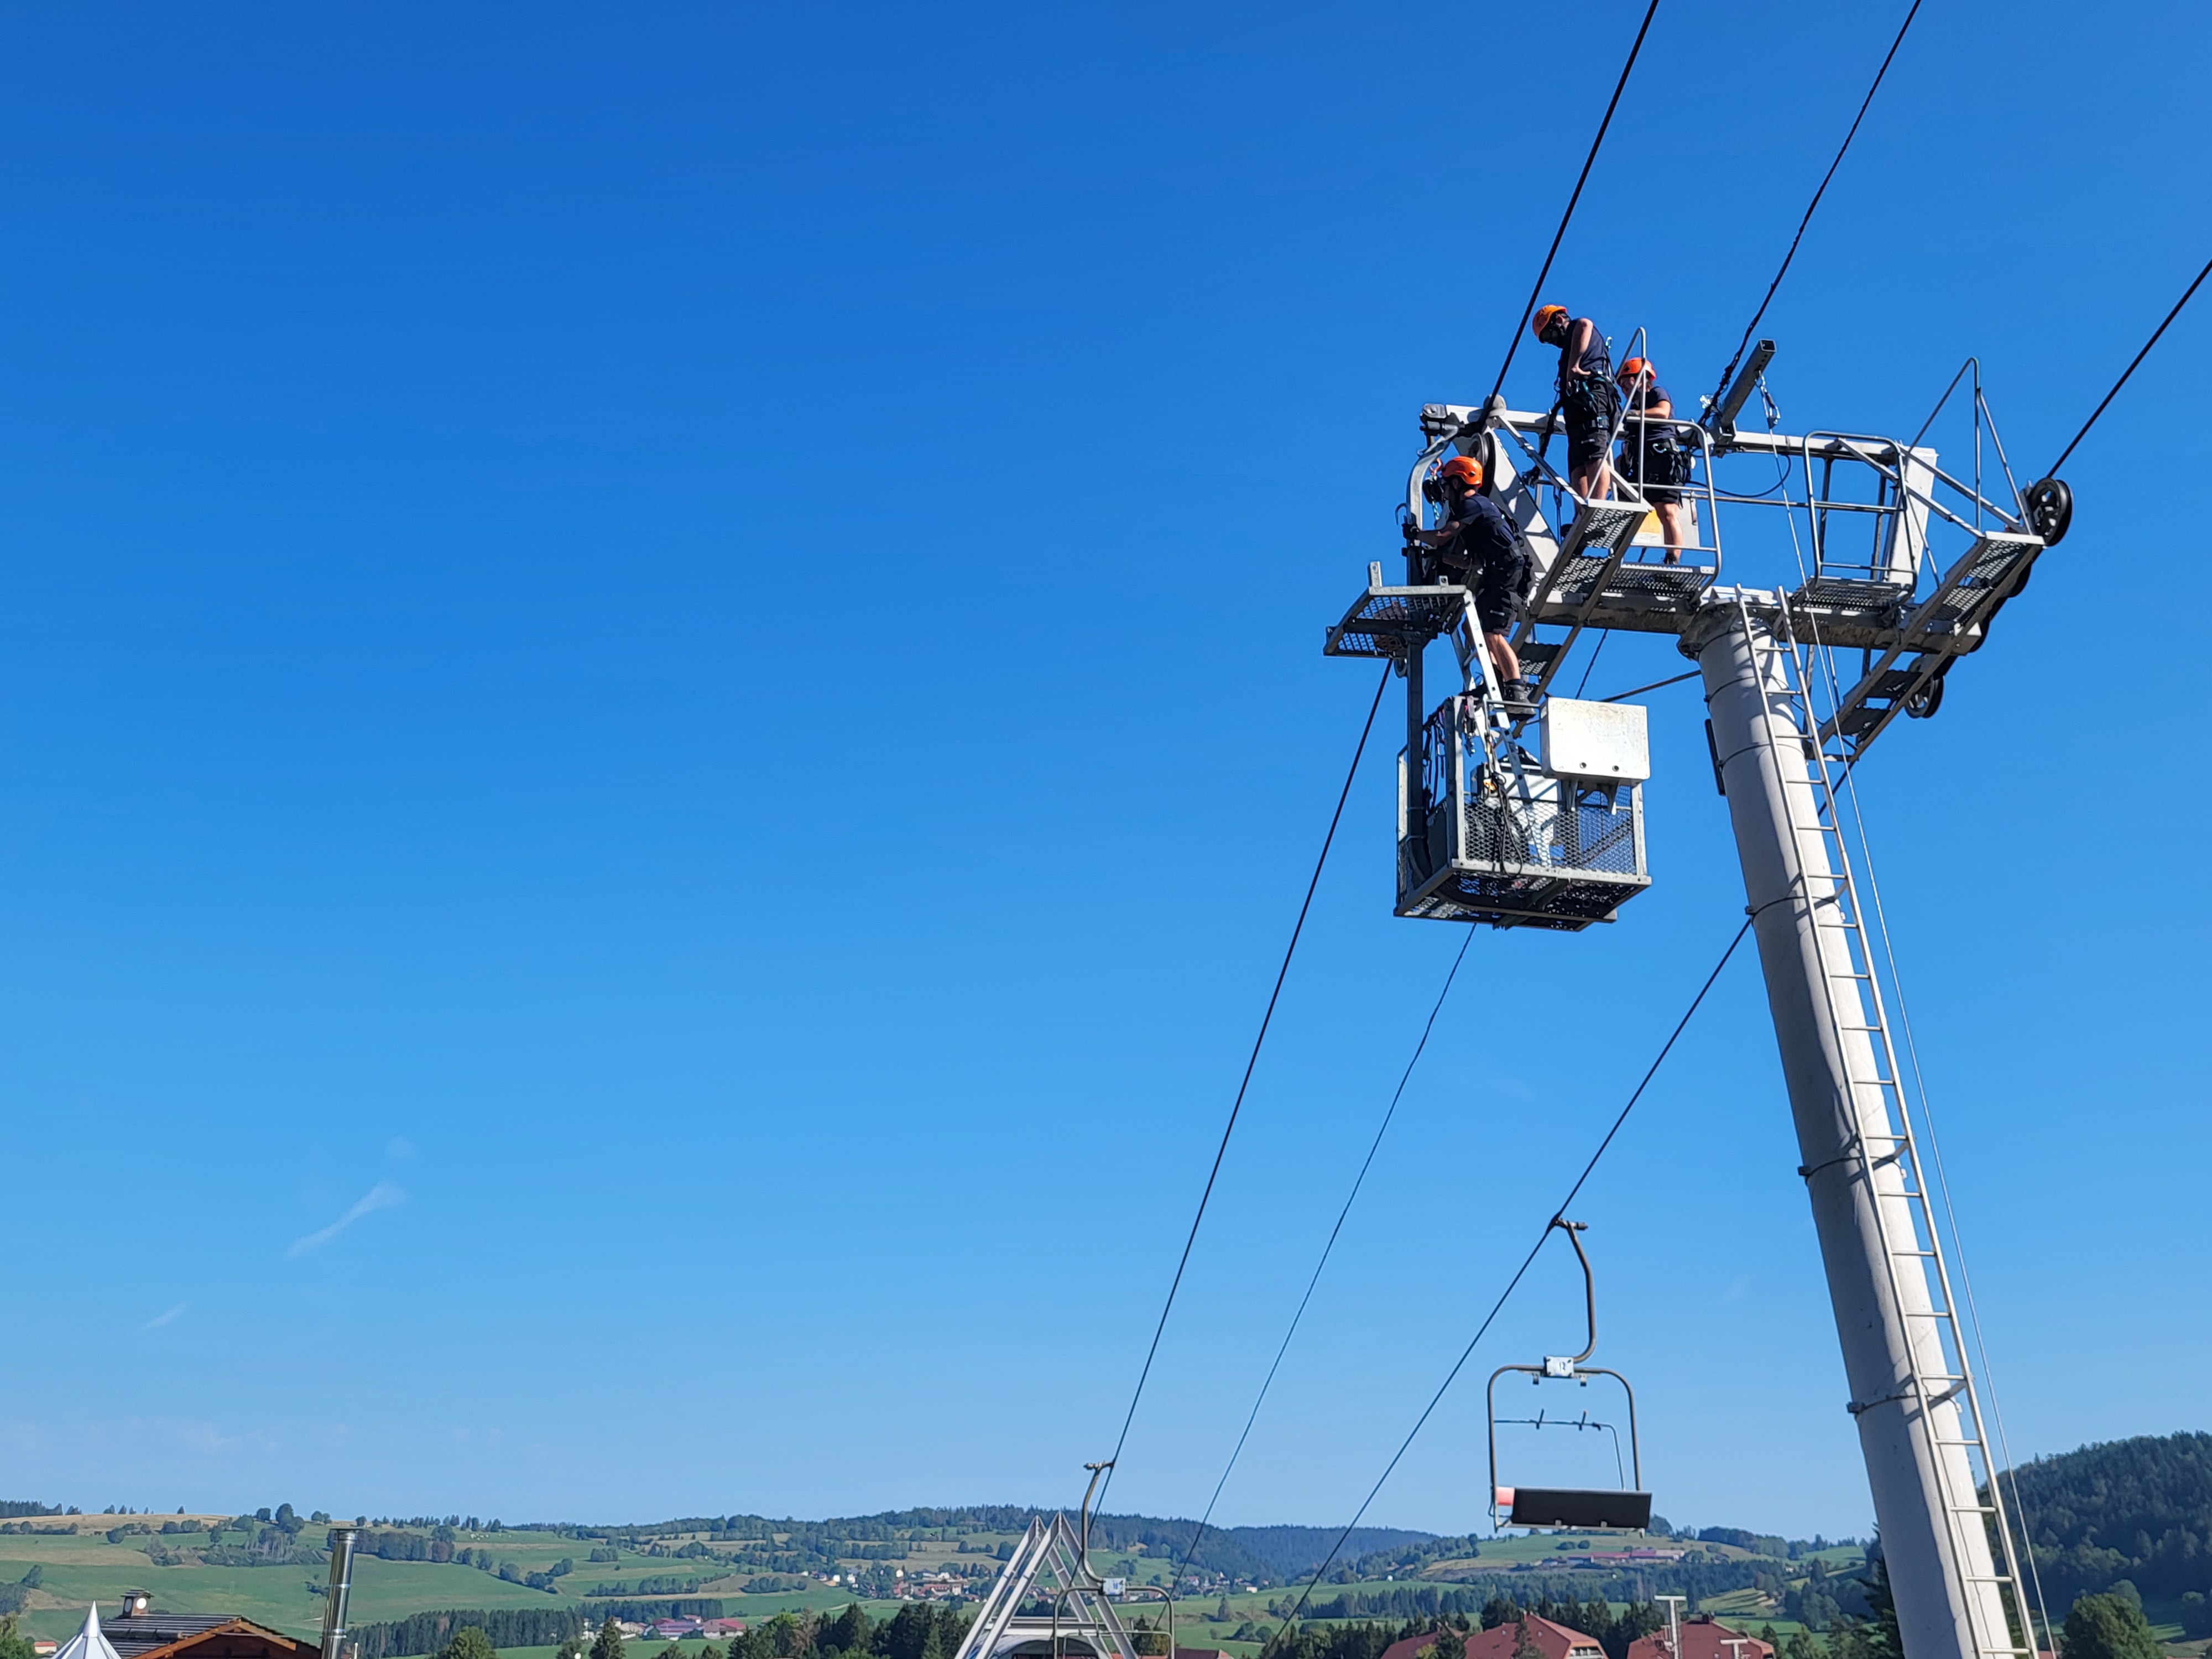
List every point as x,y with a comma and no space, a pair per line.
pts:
468,1643
2109,1628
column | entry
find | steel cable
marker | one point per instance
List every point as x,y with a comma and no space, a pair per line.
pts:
1230,1128
2132,367
1512,1283
1358,1181
1729,372
1560,235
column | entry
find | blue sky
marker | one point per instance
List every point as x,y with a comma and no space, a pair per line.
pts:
660,720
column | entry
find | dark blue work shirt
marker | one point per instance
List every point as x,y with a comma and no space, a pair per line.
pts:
1597,363
1488,542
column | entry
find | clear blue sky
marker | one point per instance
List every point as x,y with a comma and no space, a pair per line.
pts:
673,657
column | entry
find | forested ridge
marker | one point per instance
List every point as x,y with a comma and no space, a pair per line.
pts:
2139,1510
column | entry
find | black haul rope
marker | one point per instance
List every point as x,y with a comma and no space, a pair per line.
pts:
1230,1128
1497,1307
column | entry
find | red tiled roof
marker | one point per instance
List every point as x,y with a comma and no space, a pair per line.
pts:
1703,1637
1553,1641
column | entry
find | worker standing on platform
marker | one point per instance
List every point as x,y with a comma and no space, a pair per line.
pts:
1651,454
1585,397
1478,543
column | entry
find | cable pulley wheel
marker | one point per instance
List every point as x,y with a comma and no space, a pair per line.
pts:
1923,703
2049,509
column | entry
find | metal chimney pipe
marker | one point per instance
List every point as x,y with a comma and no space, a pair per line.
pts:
334,1605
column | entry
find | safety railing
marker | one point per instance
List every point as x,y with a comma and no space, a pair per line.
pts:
1867,510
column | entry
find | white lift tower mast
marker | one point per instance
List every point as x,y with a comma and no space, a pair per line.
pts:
1899,569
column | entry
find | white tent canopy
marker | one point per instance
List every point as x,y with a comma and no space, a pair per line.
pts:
90,1643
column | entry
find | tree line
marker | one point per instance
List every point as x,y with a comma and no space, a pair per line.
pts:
644,1613
921,1630
429,1633
1875,1637
663,1585
2138,1510
1696,1579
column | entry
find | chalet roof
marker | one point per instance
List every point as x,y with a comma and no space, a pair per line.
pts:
1703,1637
202,1636
1554,1641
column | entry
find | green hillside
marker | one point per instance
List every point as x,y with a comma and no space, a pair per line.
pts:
2134,1516
2138,1511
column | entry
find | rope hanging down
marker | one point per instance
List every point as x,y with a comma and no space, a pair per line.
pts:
2131,367
1728,373
1230,1128
1497,1306
1588,162
1358,1181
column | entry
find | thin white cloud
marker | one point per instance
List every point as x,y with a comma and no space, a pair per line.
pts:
160,1320
399,1146
382,1196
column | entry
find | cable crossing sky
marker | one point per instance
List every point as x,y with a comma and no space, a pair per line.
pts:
2132,367
1357,1181
1511,1284
1811,207
1152,1352
1230,1128
1590,161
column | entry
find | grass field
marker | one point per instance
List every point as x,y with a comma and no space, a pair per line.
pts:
86,1567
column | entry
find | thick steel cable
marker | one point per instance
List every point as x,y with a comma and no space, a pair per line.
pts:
1497,1306
1230,1128
1358,1181
1596,651
2132,367
1560,235
1728,373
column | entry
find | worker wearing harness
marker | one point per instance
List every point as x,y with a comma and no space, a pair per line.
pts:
1652,456
1585,397
1485,550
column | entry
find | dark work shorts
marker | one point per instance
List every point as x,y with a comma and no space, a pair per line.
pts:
1589,437
1498,601
1661,494
1587,407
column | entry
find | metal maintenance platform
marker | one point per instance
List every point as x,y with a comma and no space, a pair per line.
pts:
1891,571
1506,840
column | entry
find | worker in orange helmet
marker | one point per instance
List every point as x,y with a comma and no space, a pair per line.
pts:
1651,454
1485,549
1585,384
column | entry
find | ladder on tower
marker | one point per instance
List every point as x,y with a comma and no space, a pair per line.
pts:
1941,1380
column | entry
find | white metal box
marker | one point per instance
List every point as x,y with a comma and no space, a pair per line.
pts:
1602,742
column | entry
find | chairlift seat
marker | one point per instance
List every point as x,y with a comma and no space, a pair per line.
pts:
1577,1508
1625,1508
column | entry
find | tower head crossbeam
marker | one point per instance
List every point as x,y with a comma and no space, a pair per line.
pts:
1873,544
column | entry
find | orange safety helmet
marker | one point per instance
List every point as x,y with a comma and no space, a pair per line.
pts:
1462,466
1635,367
1545,317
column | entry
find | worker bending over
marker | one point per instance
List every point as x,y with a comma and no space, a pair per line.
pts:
1651,454
1483,548
1585,397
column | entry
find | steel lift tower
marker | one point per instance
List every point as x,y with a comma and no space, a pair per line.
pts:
1899,569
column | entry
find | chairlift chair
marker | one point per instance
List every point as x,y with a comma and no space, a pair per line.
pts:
1551,1509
